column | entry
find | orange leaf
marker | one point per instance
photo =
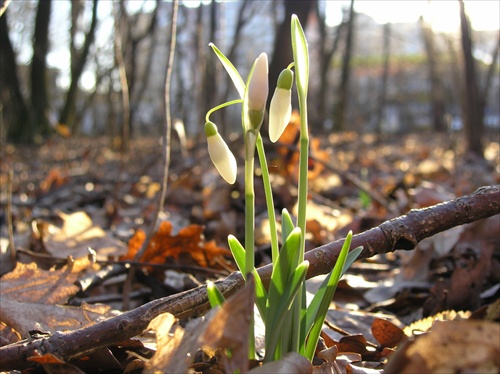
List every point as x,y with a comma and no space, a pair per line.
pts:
187,247
386,333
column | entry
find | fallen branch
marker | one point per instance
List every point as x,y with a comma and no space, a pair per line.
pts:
404,232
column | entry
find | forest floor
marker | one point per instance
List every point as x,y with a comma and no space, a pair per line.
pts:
69,195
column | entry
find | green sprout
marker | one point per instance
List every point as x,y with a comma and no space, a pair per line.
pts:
291,325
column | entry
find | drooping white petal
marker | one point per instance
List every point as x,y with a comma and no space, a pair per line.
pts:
258,87
222,158
279,113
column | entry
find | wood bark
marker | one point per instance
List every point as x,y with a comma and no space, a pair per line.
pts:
327,49
15,110
385,77
473,110
436,85
78,60
39,89
404,233
340,106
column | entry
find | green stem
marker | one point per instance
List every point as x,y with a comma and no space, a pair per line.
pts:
302,203
299,337
269,199
250,222
223,105
249,215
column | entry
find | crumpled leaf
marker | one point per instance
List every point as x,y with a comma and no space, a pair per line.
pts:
168,339
23,317
291,363
188,247
29,283
219,331
229,329
452,346
76,235
462,290
387,333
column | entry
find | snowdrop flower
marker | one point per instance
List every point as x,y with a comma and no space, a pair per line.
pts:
281,105
219,152
258,90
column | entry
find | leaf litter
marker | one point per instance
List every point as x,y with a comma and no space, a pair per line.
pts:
78,213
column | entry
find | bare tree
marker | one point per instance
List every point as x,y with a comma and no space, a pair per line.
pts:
489,75
210,77
473,110
437,96
382,99
340,106
282,51
245,14
78,60
14,109
120,61
39,92
328,45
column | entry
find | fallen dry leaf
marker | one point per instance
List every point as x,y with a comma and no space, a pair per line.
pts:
387,333
76,235
29,283
24,317
187,247
291,363
168,339
229,329
451,347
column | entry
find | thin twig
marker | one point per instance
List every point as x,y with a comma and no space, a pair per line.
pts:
123,80
404,232
10,222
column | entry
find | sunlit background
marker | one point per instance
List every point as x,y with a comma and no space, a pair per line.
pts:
407,45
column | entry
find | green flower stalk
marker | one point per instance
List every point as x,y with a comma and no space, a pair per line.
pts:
291,325
281,105
222,157
254,106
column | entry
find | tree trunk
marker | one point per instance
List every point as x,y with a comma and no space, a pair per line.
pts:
210,97
78,61
437,91
39,91
118,16
341,104
489,76
326,53
244,16
385,75
14,109
473,121
282,51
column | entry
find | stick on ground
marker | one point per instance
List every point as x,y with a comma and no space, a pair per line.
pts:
404,232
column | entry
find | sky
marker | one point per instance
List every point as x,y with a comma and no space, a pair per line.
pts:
443,15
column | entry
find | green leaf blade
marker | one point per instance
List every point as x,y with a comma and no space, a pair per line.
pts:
238,252
300,55
231,71
316,312
215,297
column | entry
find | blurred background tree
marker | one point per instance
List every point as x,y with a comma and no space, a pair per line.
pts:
368,73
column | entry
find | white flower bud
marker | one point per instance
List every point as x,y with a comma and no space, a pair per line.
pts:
221,155
258,87
281,105
279,113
